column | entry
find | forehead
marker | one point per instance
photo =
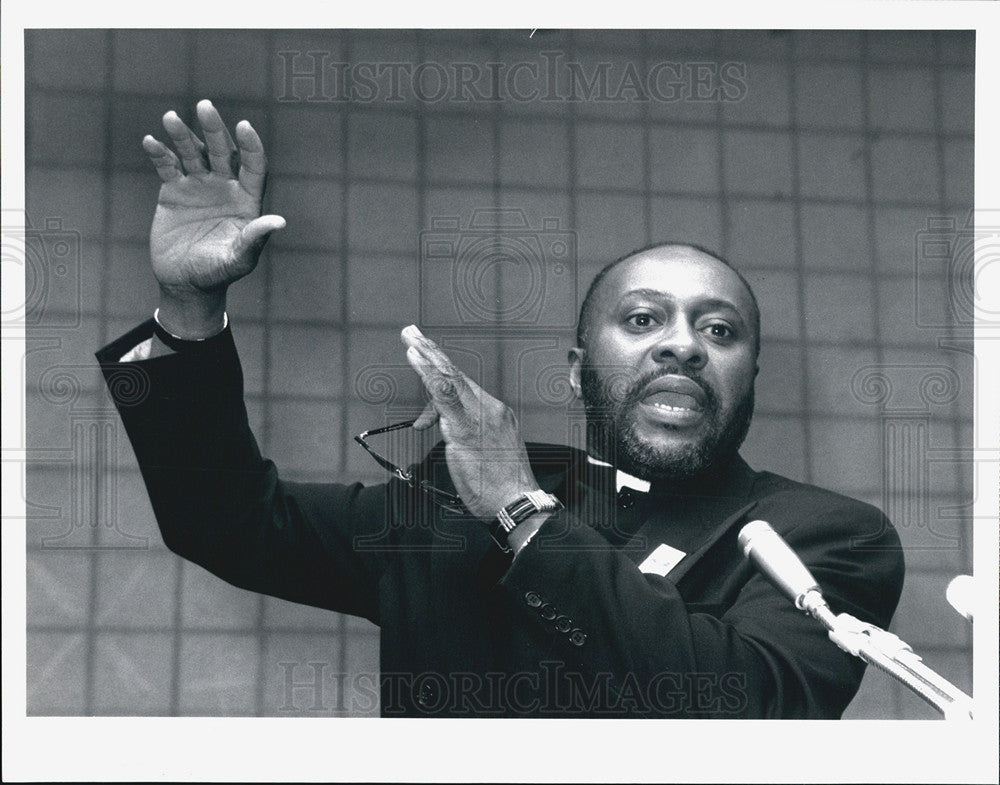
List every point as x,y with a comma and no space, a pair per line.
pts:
686,276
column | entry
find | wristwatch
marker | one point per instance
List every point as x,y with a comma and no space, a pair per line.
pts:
518,511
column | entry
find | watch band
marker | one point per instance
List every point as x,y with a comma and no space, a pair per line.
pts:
518,511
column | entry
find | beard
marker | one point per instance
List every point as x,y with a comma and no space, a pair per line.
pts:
613,434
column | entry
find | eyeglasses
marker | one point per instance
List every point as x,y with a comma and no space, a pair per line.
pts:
441,498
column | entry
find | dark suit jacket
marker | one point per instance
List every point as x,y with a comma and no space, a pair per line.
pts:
572,627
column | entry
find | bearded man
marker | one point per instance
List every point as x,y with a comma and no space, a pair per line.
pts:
508,579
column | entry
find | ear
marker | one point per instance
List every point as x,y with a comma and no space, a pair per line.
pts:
575,364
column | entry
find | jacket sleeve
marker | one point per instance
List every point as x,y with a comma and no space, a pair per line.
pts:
747,652
219,503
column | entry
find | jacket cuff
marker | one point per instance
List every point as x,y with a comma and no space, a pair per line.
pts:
178,376
540,578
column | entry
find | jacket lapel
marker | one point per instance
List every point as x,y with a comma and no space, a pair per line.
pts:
685,564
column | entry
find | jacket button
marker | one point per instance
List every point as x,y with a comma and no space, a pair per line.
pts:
532,599
578,637
547,611
563,623
626,499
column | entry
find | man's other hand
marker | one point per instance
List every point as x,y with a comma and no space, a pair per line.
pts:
486,456
207,231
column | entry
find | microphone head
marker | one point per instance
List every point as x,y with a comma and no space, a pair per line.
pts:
751,532
961,594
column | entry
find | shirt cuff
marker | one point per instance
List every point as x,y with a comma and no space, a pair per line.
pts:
164,342
140,351
527,530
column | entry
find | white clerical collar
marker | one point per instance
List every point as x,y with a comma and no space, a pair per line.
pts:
623,478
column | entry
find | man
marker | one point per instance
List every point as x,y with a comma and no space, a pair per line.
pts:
508,579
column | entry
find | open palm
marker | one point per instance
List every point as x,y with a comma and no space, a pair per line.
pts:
207,231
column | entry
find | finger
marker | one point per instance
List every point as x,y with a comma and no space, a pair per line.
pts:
218,141
257,231
168,166
447,385
189,147
436,358
253,164
419,364
444,389
427,418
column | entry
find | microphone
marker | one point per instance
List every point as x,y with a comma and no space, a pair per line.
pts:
778,562
772,556
961,593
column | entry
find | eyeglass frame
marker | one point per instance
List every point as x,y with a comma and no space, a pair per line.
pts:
448,501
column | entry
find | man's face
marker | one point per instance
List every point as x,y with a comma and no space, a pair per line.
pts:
668,368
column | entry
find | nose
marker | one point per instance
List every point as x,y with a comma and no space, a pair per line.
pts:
679,343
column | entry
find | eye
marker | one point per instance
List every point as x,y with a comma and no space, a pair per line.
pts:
720,330
641,319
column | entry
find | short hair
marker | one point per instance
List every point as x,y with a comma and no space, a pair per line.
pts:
587,307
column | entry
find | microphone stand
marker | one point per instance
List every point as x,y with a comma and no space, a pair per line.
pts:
890,654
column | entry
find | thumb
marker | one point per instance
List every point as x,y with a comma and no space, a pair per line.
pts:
427,418
257,231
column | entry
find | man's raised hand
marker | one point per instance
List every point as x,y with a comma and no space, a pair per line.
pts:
207,231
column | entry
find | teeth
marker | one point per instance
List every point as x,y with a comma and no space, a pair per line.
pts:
672,408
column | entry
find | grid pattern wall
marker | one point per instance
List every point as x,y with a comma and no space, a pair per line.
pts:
815,164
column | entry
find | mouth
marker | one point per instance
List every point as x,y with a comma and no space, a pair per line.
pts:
674,400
